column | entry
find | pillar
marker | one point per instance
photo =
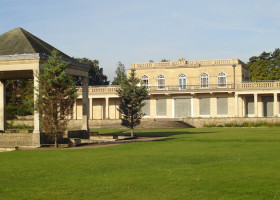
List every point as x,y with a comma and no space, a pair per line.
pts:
90,109
213,105
36,113
85,103
107,108
2,106
236,105
75,110
275,105
256,104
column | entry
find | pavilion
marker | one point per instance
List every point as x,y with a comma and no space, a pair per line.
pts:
21,57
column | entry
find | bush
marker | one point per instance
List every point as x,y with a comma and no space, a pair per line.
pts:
22,111
11,110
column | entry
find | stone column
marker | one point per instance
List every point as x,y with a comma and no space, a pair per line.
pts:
2,106
37,130
275,105
36,113
75,110
213,106
236,105
85,103
90,109
256,104
107,108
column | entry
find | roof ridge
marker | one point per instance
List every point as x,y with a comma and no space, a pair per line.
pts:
41,42
28,42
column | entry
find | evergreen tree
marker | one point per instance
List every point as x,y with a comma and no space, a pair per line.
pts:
131,96
265,66
95,74
120,74
56,97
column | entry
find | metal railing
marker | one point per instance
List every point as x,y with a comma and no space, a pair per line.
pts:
183,88
186,88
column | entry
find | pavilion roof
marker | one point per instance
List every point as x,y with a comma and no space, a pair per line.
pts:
20,41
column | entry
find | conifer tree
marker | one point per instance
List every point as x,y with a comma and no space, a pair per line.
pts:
55,97
132,95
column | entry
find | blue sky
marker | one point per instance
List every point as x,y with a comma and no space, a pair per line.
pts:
133,31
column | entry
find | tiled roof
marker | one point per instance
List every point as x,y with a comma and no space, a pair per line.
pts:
20,41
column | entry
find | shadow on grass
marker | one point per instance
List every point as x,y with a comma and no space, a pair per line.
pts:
157,132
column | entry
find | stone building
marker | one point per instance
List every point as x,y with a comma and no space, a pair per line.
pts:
205,89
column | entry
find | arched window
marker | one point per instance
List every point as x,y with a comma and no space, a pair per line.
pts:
222,79
161,82
204,80
182,81
145,80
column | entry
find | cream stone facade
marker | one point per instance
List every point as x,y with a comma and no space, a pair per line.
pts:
27,66
191,89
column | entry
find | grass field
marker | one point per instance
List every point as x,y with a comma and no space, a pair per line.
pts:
208,163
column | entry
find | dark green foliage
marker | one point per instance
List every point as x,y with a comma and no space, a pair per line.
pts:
131,96
164,60
95,74
20,97
56,98
120,74
266,66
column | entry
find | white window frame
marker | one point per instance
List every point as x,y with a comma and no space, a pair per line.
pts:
204,76
145,80
222,75
182,78
161,86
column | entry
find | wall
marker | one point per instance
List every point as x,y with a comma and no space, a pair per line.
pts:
19,139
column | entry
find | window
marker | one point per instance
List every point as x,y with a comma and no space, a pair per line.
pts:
182,82
145,80
222,79
222,106
204,80
146,107
204,106
250,108
161,107
161,82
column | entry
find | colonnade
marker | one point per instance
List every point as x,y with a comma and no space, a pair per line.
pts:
240,103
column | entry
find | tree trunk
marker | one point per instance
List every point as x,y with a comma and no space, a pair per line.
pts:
55,141
131,132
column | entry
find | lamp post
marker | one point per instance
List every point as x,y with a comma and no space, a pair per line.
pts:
234,66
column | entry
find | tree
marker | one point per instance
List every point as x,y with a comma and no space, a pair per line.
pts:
56,96
131,96
95,74
120,74
265,66
20,100
164,60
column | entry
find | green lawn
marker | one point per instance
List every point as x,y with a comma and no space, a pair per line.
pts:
208,163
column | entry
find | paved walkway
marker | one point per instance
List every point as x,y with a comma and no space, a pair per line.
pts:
102,144
117,142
